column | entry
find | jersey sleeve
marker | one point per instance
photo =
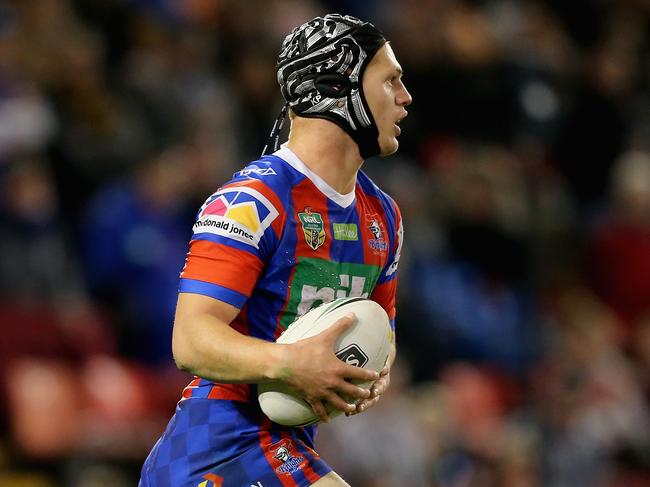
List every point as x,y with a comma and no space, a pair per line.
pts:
386,288
236,231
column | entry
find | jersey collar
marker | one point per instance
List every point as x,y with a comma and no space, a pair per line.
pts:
290,157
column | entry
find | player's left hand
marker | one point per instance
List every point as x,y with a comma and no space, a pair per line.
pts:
377,389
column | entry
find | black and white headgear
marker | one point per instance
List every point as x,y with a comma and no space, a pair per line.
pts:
320,72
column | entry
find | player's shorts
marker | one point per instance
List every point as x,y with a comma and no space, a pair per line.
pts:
212,443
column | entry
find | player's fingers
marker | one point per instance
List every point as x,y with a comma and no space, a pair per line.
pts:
338,402
364,405
340,326
357,373
368,404
384,371
378,388
353,391
319,409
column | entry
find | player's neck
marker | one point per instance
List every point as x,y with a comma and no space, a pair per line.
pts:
327,150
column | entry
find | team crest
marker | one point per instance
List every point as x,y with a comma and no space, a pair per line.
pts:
286,460
375,229
377,244
312,228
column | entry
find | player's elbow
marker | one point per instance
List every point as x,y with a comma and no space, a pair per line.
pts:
181,350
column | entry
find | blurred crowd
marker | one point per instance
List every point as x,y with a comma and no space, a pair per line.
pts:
523,178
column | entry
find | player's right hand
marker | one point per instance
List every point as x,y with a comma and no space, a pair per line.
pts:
312,368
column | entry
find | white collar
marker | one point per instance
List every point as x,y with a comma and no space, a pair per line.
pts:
343,200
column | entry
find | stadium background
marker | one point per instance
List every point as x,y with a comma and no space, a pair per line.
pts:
523,178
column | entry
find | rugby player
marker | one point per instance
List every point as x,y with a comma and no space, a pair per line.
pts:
301,226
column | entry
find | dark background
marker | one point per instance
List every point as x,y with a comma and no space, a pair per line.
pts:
523,178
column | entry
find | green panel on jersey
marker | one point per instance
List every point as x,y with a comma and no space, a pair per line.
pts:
316,281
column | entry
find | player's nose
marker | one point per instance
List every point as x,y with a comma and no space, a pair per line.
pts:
403,98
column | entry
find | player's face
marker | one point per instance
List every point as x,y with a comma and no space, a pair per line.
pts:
387,97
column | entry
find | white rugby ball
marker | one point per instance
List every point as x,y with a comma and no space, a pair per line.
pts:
365,344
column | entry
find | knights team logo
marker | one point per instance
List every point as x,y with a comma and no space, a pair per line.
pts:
375,229
312,228
286,460
282,454
377,244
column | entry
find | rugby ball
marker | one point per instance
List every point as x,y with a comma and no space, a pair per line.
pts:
365,344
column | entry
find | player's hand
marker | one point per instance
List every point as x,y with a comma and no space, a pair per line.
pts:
377,389
313,369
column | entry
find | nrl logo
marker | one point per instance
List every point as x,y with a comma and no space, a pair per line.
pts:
312,228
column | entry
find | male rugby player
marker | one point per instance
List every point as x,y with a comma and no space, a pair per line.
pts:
298,227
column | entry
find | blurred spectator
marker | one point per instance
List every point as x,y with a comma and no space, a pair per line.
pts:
386,439
618,260
27,121
135,236
36,257
43,302
587,392
474,292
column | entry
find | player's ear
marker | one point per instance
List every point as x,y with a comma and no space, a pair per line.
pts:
333,85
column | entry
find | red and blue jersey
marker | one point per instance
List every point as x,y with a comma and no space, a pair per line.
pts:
274,242
277,241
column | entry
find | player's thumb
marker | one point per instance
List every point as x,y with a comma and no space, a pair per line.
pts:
340,326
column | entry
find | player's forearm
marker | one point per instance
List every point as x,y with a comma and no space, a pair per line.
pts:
207,347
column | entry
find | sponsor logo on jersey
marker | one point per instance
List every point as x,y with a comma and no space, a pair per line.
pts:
260,171
312,228
317,281
286,460
241,214
353,355
346,231
211,480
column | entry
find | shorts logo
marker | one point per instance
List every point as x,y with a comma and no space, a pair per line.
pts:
346,231
240,213
312,228
353,355
211,480
285,459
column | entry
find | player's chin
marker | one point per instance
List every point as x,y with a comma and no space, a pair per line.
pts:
389,146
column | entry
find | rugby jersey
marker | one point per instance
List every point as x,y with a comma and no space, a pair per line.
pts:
276,241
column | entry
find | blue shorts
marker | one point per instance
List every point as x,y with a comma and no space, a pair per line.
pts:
219,443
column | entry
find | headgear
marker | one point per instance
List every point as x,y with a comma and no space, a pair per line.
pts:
320,72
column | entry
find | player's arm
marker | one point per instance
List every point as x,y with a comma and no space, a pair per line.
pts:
205,345
384,294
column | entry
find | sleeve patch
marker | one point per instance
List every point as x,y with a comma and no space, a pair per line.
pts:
239,213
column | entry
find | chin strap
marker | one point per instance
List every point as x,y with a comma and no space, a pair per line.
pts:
273,142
